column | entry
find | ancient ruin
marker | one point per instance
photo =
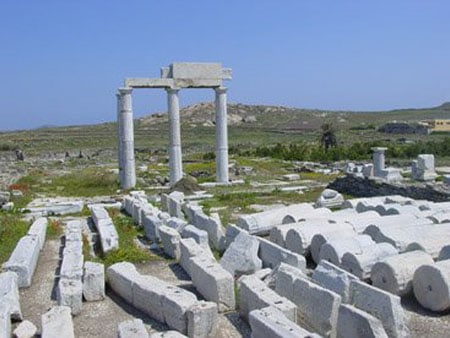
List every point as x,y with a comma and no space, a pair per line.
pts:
177,76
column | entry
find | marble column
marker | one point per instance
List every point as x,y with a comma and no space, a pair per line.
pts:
127,139
221,136
175,158
119,139
378,160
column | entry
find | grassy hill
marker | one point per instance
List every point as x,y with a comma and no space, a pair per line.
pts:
249,125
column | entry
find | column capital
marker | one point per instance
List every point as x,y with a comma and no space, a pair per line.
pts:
378,149
125,90
221,90
173,90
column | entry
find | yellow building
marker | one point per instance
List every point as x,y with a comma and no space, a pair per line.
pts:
437,125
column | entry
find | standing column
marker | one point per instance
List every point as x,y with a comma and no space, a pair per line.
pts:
221,136
119,138
378,160
175,159
127,139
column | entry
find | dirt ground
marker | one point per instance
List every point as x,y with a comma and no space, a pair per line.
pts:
100,319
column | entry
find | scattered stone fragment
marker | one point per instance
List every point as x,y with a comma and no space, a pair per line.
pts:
57,323
133,328
25,329
202,320
330,199
241,257
170,239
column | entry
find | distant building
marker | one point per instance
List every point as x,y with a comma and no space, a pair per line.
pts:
437,125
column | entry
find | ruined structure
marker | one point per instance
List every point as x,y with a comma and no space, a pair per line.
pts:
177,76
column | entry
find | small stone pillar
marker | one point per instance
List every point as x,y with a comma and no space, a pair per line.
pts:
119,138
378,161
221,135
126,139
175,157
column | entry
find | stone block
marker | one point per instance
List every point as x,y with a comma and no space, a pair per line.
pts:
5,320
254,295
167,334
270,322
213,282
170,239
272,255
382,305
39,229
93,281
9,293
335,247
202,320
175,201
195,70
285,276
72,265
431,286
333,278
231,232
200,236
213,226
330,199
175,304
133,328
151,224
148,296
109,238
278,233
395,273
317,307
121,277
190,248
360,264
70,293
241,257
175,223
23,260
355,323
57,323
25,329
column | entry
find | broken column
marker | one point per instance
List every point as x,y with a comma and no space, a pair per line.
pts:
175,158
221,135
378,161
126,135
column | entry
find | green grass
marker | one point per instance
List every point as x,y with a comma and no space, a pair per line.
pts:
12,228
128,251
54,229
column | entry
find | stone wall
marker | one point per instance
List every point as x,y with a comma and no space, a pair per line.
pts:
364,187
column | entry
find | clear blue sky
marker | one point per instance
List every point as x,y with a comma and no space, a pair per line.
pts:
61,61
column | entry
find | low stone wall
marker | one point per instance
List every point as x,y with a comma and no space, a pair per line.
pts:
364,187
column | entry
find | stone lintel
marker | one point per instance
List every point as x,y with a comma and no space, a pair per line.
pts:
148,83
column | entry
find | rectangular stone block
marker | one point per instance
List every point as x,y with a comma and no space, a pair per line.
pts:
121,277
151,224
9,293
213,282
148,296
170,239
175,305
254,295
57,323
202,320
189,248
200,236
109,238
317,307
5,320
72,265
23,260
70,293
39,229
272,255
194,70
213,226
270,322
133,328
175,202
382,305
355,323
285,276
93,281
